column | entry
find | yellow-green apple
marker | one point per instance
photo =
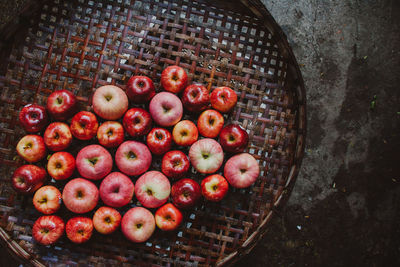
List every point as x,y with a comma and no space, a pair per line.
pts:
233,138
62,104
116,190
185,193
94,162
28,178
185,133
137,122
110,102
206,155
140,89
106,220
84,125
133,158
241,170
33,118
168,217
110,134
174,79
195,98
214,187
31,148
61,165
47,199
166,109
80,195
223,99
152,189
47,230
79,229
159,141
210,123
57,136
175,164
138,224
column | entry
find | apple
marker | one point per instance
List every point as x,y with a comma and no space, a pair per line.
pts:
140,89
137,122
79,229
195,98
47,230
80,195
116,190
214,187
106,220
62,105
159,141
233,138
94,162
175,164
28,178
57,136
31,148
166,109
241,170
223,99
61,165
133,158
138,224
47,199
210,123
84,125
152,189
185,133
33,118
206,155
168,217
174,79
110,102
110,134
185,193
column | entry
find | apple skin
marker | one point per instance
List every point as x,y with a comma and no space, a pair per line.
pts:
138,224
185,193
214,187
80,195
210,123
47,199
174,79
233,138
116,190
28,178
159,141
84,125
110,102
206,155
110,134
94,162
137,122
241,170
57,136
166,109
61,165
133,158
185,133
62,105
79,229
223,99
152,189
195,98
140,89
31,148
47,230
168,217
175,164
33,118
106,220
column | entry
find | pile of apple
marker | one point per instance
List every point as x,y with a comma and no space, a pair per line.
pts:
133,158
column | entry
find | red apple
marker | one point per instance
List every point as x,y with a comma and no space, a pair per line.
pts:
195,98
210,123
133,158
80,195
137,122
241,170
166,109
57,136
28,178
31,148
110,134
159,141
47,230
61,165
206,155
152,189
140,89
223,99
138,224
33,118
79,229
168,217
174,79
233,138
185,133
175,164
84,125
214,187
185,193
62,105
47,199
106,220
110,102
94,162
116,190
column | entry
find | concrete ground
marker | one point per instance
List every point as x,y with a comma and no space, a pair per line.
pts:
345,207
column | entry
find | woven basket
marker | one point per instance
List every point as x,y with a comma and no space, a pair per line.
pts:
81,45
